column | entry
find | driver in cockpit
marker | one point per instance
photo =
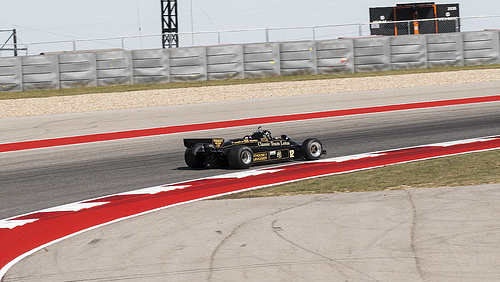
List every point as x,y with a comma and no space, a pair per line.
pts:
259,134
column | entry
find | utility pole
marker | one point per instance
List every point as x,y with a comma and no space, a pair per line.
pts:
14,34
169,24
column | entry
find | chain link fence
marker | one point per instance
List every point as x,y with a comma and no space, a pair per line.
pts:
280,34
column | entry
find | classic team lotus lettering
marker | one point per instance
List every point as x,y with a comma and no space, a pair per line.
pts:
280,143
274,143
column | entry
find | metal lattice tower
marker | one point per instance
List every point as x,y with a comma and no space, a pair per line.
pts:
170,28
14,47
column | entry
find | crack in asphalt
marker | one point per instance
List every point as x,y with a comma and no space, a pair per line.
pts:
276,230
234,231
413,235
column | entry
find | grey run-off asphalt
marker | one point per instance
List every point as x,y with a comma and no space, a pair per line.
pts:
443,234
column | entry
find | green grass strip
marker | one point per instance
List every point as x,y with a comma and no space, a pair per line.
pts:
462,170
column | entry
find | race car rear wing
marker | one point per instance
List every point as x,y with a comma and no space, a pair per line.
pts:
216,142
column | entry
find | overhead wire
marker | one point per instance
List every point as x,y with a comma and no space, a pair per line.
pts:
208,17
139,22
39,30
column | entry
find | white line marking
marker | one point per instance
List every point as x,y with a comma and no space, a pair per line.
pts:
154,190
74,207
9,224
350,158
243,174
460,142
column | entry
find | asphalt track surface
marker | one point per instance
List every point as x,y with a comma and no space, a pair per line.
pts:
37,179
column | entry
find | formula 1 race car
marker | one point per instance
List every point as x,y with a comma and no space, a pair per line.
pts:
257,148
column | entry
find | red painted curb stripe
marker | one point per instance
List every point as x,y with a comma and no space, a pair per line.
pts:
45,143
51,226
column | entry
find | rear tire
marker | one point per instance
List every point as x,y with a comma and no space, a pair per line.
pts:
193,160
240,157
311,149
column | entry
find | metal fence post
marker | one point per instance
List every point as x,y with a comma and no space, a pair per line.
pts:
267,35
14,33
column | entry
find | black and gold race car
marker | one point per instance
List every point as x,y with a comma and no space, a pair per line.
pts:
257,148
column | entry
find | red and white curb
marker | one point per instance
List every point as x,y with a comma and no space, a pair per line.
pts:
23,235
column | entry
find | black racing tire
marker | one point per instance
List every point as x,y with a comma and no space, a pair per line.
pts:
240,157
311,149
193,160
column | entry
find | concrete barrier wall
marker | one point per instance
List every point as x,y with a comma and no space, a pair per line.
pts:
348,55
188,64
261,60
114,68
225,62
298,58
78,70
11,74
408,52
481,48
335,56
372,54
40,72
445,50
151,66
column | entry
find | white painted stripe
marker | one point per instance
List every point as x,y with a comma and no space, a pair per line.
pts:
154,190
9,224
460,142
243,174
74,207
350,158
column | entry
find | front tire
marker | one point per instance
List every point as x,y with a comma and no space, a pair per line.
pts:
240,157
311,149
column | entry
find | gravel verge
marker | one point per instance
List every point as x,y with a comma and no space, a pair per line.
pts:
208,94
